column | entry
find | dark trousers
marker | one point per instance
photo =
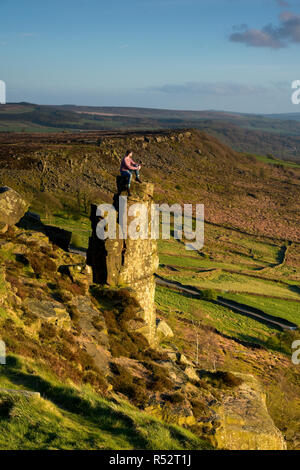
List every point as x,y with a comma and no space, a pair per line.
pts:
129,174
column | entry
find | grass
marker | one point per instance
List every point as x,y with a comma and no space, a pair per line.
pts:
191,262
66,417
237,283
78,225
275,161
208,313
224,248
277,307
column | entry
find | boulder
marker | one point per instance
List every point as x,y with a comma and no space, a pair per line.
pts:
36,239
183,360
191,374
50,311
94,337
244,421
12,206
88,317
163,330
24,393
172,355
180,414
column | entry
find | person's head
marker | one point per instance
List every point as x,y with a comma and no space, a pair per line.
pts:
128,153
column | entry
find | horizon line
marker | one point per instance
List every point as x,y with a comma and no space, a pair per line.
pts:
149,108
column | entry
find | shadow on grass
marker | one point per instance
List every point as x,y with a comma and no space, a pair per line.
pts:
113,421
251,341
281,255
295,288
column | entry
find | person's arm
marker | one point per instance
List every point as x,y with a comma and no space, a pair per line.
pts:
131,165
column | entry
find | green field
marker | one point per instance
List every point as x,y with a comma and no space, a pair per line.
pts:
237,283
276,161
233,265
173,303
277,307
79,226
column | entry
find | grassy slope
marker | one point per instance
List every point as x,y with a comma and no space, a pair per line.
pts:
75,417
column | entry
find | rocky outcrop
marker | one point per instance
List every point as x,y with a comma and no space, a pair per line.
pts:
94,337
12,207
231,417
244,421
47,296
129,263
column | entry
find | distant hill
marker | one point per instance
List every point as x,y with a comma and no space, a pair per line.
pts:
276,134
287,116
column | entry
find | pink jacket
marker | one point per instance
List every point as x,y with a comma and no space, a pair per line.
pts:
128,164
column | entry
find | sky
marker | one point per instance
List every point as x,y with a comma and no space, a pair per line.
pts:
233,55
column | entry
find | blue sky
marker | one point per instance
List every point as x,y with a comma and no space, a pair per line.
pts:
235,55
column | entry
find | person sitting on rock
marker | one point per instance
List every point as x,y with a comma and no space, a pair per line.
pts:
128,167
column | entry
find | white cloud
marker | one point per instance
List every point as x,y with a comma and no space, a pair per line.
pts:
273,37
